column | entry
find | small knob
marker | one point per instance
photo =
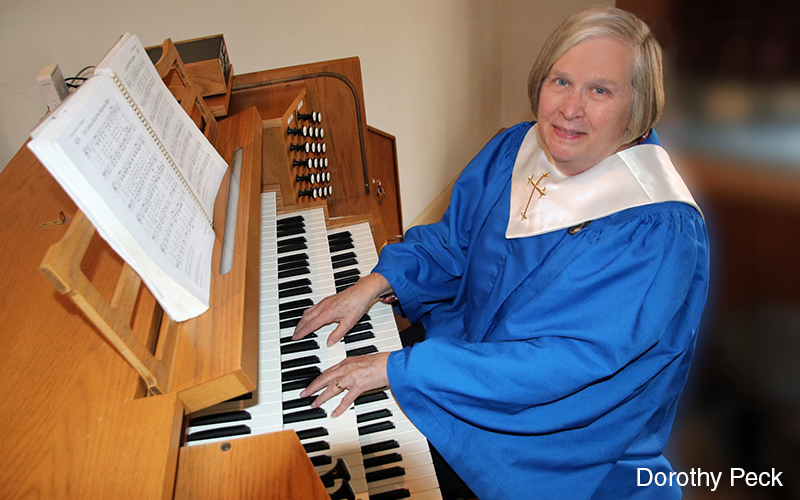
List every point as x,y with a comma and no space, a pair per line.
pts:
313,116
298,131
311,193
307,147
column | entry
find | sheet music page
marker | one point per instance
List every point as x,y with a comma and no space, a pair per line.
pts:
196,158
130,192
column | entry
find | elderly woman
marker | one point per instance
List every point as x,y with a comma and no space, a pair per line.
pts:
561,292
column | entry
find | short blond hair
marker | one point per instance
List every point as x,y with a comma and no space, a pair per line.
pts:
647,81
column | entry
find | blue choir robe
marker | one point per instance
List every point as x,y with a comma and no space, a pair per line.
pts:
552,363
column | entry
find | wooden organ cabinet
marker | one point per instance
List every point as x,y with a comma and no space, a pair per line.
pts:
80,422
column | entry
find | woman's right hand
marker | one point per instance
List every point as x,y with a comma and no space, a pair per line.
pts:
345,308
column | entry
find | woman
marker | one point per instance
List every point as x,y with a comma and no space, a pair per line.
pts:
561,292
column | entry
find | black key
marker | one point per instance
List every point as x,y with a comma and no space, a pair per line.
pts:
291,269
297,385
292,258
291,241
340,235
321,460
358,337
302,416
297,362
235,430
220,418
340,246
389,444
289,323
389,458
292,313
292,223
340,289
294,304
286,340
344,263
303,345
361,351
294,292
293,264
312,433
377,427
317,446
360,327
286,285
290,220
344,256
292,248
287,225
349,280
373,415
340,242
398,494
381,474
346,273
371,398
298,403
291,231
301,373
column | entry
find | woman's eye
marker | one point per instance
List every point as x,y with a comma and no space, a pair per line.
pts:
561,82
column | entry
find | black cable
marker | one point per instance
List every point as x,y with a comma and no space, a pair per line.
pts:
74,85
84,69
77,77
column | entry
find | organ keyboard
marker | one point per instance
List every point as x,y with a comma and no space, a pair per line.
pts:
301,263
391,444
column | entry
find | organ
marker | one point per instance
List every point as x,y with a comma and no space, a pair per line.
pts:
226,420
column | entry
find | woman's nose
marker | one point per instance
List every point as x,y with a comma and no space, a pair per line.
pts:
572,106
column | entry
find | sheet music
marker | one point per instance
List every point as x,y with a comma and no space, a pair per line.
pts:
129,191
196,158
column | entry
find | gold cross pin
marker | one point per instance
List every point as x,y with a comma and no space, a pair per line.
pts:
536,188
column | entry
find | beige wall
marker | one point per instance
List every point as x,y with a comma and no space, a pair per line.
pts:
443,76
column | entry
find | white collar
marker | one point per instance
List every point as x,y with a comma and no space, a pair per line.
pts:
636,176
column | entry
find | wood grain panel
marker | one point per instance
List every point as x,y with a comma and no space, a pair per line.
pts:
265,467
59,378
333,88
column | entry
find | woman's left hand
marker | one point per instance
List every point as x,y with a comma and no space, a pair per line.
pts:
356,375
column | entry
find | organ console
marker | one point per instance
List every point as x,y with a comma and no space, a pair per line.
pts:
227,422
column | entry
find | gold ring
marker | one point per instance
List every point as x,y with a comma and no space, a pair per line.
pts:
336,383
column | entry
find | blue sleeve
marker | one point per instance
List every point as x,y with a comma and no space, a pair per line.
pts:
623,311
426,268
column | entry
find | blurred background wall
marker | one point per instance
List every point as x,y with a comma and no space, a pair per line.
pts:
733,127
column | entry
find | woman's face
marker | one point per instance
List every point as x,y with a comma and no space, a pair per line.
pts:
584,104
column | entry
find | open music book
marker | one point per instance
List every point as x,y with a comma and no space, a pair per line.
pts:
146,177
